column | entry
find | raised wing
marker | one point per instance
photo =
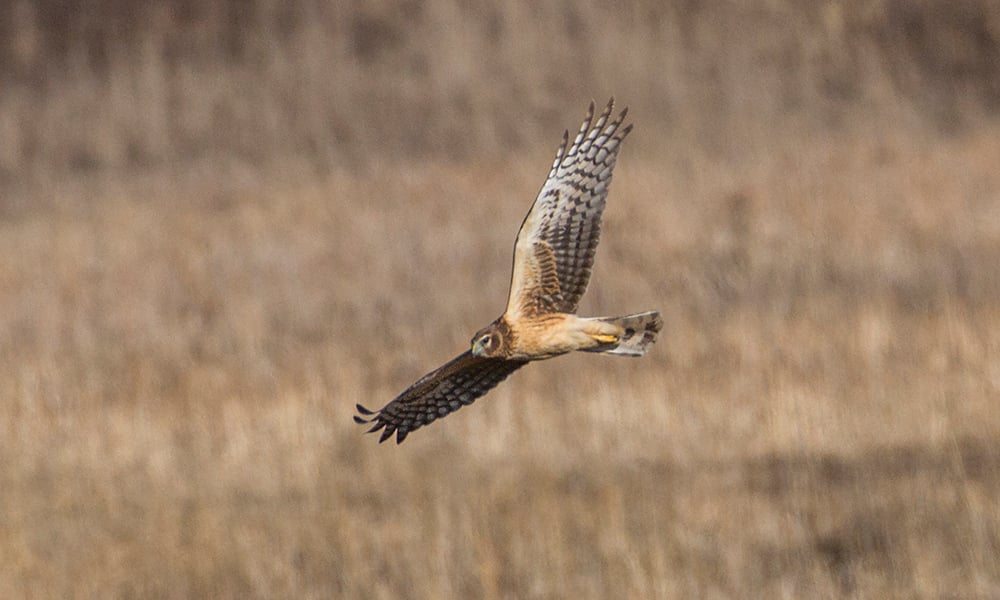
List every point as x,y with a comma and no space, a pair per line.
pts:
555,247
455,384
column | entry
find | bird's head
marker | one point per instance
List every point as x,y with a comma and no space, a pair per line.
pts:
487,341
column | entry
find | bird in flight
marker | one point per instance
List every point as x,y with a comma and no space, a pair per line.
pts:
553,255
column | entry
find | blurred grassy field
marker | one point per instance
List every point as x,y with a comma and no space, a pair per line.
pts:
188,315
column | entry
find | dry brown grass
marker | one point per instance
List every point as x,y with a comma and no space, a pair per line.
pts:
820,420
113,84
217,236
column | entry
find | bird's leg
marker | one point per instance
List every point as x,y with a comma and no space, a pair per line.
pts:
604,338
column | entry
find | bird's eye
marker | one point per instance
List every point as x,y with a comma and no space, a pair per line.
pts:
485,340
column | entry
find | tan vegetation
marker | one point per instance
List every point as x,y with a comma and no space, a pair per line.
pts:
212,249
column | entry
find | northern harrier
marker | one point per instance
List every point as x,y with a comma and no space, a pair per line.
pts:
553,255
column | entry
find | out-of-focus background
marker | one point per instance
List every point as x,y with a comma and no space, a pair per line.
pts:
223,223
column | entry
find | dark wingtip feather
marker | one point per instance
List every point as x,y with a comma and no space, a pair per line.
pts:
363,410
360,420
401,435
561,151
385,435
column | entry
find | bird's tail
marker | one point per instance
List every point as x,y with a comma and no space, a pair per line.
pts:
638,332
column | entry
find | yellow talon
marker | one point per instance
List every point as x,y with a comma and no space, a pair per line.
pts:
606,339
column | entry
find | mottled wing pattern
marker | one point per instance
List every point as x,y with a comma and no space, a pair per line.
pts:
559,236
455,384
